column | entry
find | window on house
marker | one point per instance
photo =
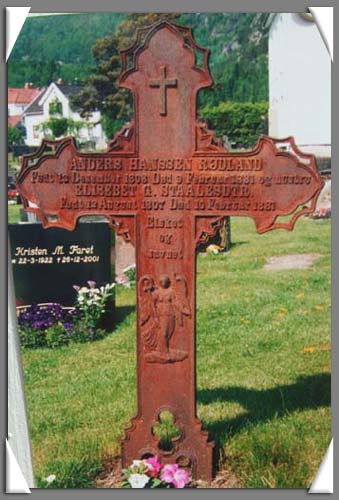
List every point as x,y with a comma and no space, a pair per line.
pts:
36,131
55,107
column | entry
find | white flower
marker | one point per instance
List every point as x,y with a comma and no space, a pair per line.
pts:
137,463
138,480
50,478
83,289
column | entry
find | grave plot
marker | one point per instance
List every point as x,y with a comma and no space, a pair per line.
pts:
165,184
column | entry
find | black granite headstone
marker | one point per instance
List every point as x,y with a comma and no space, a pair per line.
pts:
47,263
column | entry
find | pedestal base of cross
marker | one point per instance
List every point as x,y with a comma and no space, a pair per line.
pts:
165,183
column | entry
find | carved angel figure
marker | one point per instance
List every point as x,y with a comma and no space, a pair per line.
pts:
163,307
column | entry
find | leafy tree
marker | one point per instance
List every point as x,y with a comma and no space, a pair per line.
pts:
58,126
15,135
101,91
74,126
241,122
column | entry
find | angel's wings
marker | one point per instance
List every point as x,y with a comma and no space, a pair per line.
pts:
147,311
146,287
182,306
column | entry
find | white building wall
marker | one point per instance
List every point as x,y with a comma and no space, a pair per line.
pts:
33,138
299,84
15,109
33,121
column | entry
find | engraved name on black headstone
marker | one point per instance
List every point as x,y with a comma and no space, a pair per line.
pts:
46,264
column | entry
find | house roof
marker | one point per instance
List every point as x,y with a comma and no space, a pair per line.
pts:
22,96
14,120
69,89
35,107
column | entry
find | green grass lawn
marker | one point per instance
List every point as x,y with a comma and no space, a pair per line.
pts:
263,369
14,213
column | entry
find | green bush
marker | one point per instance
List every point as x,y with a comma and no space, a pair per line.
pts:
56,335
58,126
83,333
31,338
130,272
15,135
242,122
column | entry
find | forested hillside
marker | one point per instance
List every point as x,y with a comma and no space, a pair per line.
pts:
52,47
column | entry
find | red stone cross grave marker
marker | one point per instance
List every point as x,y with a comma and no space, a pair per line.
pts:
165,183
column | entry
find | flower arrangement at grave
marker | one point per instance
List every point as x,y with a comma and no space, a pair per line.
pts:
322,213
150,473
51,325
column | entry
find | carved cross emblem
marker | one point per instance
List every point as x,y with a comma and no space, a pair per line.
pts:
163,83
166,183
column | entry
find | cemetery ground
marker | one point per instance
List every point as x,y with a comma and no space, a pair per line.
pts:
14,213
263,371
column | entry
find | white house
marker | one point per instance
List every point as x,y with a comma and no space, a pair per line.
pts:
299,83
54,102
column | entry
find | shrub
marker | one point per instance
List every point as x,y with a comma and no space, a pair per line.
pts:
130,273
242,122
56,335
83,333
58,126
31,338
15,135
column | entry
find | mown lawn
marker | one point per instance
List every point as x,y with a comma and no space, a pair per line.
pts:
263,369
14,213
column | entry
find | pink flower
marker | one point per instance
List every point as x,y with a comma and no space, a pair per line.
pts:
76,287
91,284
171,473
154,466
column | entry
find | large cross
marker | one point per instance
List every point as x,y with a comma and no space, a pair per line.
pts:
163,84
165,184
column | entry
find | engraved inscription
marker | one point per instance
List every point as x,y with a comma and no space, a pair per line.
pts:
71,254
229,184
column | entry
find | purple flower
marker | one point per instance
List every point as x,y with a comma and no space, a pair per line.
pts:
91,284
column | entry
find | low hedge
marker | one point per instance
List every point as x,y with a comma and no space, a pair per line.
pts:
241,122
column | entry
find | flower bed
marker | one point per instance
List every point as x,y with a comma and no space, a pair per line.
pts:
51,325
